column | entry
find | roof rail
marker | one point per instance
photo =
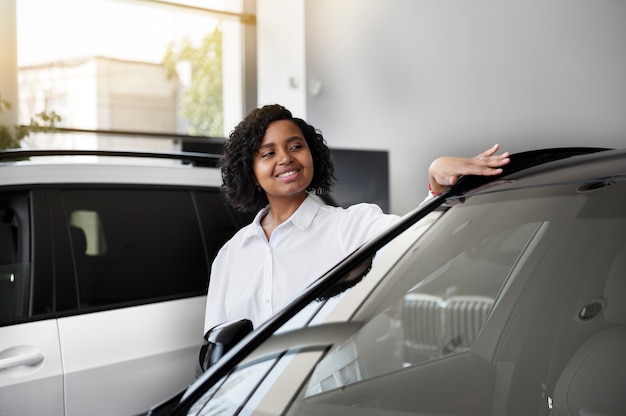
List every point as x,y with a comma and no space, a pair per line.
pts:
192,158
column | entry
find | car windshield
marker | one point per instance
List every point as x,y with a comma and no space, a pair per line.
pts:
477,315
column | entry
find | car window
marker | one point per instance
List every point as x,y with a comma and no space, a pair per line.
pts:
441,314
334,309
87,225
136,245
232,394
14,256
219,223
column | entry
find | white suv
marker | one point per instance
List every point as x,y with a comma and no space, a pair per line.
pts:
103,273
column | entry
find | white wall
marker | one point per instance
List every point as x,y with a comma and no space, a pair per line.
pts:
423,78
281,50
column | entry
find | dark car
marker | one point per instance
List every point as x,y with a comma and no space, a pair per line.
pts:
505,296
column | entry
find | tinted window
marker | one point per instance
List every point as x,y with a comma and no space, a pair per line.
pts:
132,245
218,222
440,314
14,257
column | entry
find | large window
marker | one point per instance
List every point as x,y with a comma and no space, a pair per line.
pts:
139,66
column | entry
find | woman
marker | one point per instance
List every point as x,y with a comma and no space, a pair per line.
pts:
276,162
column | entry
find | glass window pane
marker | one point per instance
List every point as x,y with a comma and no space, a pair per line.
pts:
132,245
232,393
14,257
440,315
127,65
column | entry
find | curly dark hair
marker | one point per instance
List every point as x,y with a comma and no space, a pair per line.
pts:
239,183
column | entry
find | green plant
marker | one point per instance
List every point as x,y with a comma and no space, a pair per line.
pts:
203,99
11,136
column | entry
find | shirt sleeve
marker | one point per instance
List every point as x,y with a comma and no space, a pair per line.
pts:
215,312
361,223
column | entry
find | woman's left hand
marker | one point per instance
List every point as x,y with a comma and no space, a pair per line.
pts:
446,171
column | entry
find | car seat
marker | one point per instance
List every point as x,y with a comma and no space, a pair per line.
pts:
593,382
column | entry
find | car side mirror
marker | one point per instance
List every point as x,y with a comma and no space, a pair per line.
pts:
219,340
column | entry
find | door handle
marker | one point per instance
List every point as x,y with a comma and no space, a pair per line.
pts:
30,358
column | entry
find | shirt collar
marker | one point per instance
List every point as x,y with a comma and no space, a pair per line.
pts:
302,218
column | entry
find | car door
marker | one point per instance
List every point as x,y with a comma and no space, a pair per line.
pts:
31,377
131,273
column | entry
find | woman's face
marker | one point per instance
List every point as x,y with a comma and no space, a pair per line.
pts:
283,165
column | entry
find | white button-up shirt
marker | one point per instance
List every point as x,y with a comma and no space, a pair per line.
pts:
252,277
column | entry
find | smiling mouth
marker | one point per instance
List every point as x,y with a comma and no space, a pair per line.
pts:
287,174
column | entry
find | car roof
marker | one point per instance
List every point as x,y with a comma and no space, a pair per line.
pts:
546,166
24,167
